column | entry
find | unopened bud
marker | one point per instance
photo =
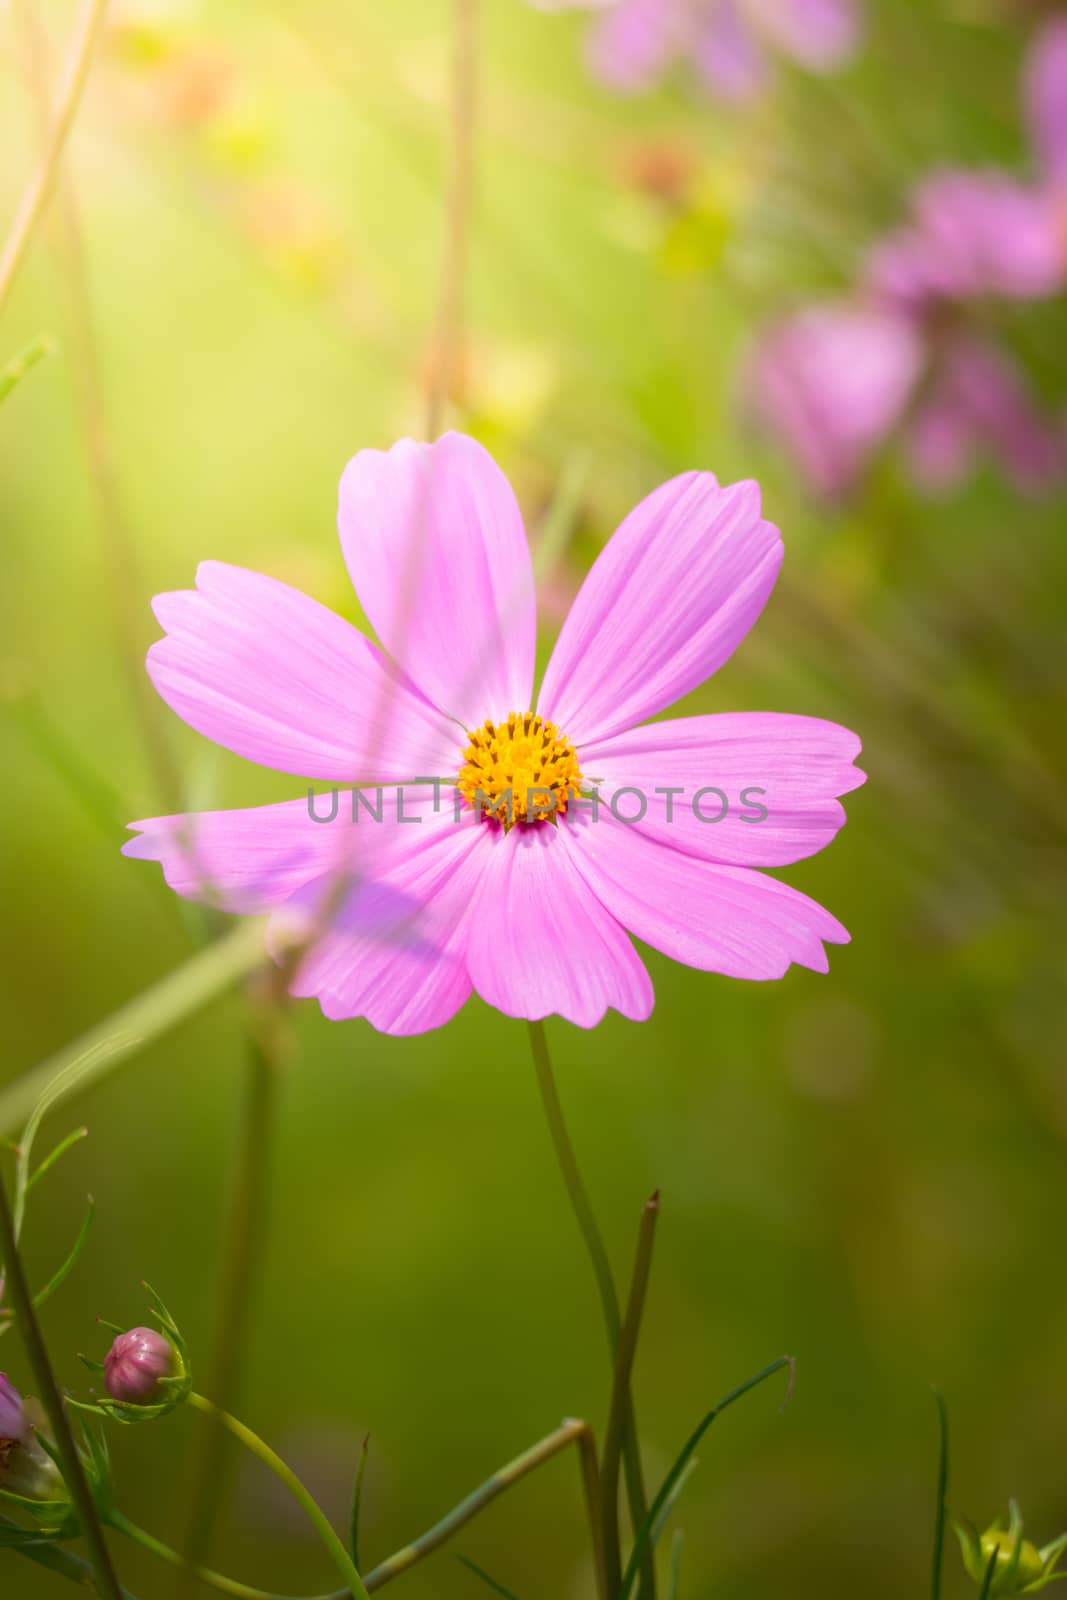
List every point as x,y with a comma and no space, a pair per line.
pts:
1019,1567
136,1363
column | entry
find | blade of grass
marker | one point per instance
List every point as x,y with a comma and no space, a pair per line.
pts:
66,1267
490,1583
942,1492
16,369
620,1408
97,1053
987,1582
675,1575
643,1540
357,1498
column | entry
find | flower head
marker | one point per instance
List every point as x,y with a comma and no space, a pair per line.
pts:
728,42
1019,1567
136,1363
27,1472
552,827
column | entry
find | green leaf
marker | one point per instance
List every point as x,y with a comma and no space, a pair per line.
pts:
942,1491
674,1577
17,368
644,1533
63,1271
357,1500
987,1582
672,1500
491,1583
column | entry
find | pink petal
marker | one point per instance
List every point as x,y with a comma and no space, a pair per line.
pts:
1045,88
395,951
833,382
435,546
728,55
789,767
272,675
721,919
667,601
241,861
541,942
636,40
818,34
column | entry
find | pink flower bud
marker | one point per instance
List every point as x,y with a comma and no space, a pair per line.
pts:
13,1424
135,1363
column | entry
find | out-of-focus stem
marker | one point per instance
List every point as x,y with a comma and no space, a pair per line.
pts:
447,348
107,1584
598,1255
620,1393
117,544
240,1278
340,1557
574,1432
35,195
57,1558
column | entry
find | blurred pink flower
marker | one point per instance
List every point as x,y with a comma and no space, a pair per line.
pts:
905,354
532,911
833,381
727,41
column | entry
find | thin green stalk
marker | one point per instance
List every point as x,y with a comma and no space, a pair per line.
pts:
573,1432
643,1540
36,192
107,1584
97,1053
240,1277
16,369
215,1580
942,1494
340,1557
675,1575
987,1582
598,1255
57,1558
620,1393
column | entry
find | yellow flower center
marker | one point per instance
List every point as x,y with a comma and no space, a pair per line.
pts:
521,770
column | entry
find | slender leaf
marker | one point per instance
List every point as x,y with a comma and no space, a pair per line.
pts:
942,1491
491,1583
62,1272
16,369
357,1500
644,1532
60,1150
672,1499
987,1582
674,1577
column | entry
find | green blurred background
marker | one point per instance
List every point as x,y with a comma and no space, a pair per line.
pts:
865,1169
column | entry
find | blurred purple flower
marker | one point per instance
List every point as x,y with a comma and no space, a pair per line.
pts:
905,354
13,1425
135,1364
727,41
833,381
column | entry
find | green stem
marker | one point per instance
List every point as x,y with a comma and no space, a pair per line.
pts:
573,1432
35,194
57,1558
240,1275
620,1394
97,1053
216,1580
340,1557
107,1584
598,1255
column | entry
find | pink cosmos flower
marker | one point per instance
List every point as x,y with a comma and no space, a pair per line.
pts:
531,908
727,41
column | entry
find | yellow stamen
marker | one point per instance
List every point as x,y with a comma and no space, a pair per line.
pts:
521,770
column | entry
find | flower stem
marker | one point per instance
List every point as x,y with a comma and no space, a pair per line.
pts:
353,1583
97,1053
240,1275
107,1584
571,1432
620,1394
216,1580
35,194
598,1255
57,1558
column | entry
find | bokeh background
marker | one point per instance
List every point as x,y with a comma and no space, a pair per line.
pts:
865,1169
